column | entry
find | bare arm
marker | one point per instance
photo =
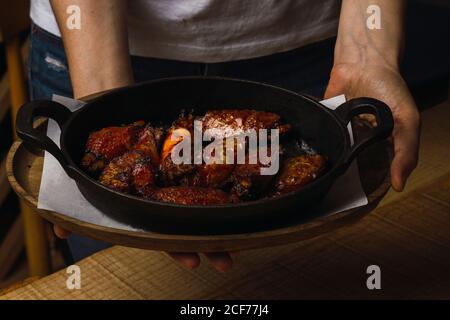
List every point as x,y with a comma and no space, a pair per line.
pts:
357,43
99,60
367,64
98,54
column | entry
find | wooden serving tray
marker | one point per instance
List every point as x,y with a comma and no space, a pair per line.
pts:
24,170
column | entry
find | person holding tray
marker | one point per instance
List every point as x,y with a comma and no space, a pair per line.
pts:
81,47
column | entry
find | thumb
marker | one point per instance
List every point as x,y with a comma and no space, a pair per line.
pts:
334,89
406,146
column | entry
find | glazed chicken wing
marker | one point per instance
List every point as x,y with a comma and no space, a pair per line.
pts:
106,144
191,196
130,173
171,172
109,143
148,143
248,183
299,171
216,173
209,176
248,180
227,123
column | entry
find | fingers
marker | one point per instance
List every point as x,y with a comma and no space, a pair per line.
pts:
188,260
370,118
332,90
406,145
60,232
337,84
221,261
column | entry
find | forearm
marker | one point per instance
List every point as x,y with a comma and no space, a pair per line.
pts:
356,43
98,54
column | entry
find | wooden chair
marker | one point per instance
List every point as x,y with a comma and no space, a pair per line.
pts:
14,19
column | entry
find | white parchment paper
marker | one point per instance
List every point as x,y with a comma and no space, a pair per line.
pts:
59,193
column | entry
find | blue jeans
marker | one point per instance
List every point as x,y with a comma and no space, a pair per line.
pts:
304,70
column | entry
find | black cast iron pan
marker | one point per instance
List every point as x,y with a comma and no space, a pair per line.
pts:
161,100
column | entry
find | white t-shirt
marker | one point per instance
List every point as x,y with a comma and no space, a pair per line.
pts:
217,30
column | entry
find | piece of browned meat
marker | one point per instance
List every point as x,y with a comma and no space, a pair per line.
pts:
248,183
106,144
209,176
131,173
171,173
148,142
222,124
228,123
245,180
191,196
298,172
214,174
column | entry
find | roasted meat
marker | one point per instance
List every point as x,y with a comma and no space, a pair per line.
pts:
134,169
106,144
191,196
139,159
209,176
214,173
131,173
228,123
171,172
248,183
148,142
299,171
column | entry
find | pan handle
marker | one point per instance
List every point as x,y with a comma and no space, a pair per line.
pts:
33,137
383,130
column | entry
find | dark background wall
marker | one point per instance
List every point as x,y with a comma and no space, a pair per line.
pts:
426,64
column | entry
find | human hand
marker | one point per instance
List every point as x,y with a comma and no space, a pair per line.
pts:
221,261
385,84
